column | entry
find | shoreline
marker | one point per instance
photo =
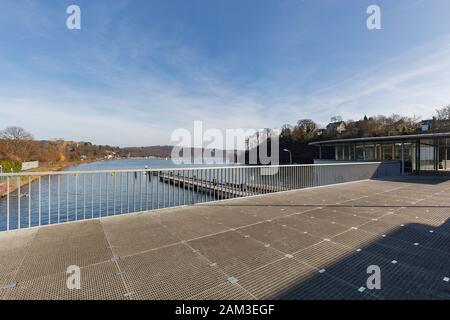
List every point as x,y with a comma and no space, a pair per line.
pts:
24,182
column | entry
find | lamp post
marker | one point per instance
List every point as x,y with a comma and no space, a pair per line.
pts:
290,154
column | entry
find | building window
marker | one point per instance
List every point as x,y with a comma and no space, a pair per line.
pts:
369,152
388,152
359,152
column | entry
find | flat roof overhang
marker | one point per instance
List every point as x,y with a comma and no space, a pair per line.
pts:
410,137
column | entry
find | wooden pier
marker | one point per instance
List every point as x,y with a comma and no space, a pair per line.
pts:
219,190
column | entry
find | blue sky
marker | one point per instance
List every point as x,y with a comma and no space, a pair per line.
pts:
138,69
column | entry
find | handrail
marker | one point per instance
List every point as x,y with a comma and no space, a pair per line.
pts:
74,172
34,199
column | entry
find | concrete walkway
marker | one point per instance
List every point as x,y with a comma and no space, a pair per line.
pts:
307,244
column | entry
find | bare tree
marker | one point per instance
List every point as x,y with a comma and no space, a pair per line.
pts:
15,133
443,113
17,141
304,130
286,132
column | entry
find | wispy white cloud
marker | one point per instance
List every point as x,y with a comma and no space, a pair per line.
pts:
413,83
143,109
130,89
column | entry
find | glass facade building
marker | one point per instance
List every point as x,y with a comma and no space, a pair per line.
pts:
419,152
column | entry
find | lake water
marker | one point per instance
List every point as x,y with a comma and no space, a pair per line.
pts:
140,163
62,198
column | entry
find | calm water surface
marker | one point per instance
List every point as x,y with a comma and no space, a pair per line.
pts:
54,199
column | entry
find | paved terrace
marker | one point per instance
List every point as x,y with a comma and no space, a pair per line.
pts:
307,244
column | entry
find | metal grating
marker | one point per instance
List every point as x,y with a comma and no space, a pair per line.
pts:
281,238
173,272
414,235
271,280
270,211
417,257
380,227
324,287
356,238
323,254
13,248
229,216
99,282
404,282
312,226
55,248
189,225
130,237
225,291
234,253
397,219
353,269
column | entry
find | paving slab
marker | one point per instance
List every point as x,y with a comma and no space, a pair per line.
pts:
234,253
171,273
55,248
100,282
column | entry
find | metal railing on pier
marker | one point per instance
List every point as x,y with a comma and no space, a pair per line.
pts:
43,198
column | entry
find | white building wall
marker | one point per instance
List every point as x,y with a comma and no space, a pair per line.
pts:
30,165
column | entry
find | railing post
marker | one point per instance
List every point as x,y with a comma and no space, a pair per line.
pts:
84,197
18,202
49,200
114,178
7,203
39,198
59,199
29,201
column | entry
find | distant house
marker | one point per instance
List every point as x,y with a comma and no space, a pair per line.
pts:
336,127
425,125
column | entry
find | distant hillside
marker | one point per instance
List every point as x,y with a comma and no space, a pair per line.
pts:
166,151
16,144
150,151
